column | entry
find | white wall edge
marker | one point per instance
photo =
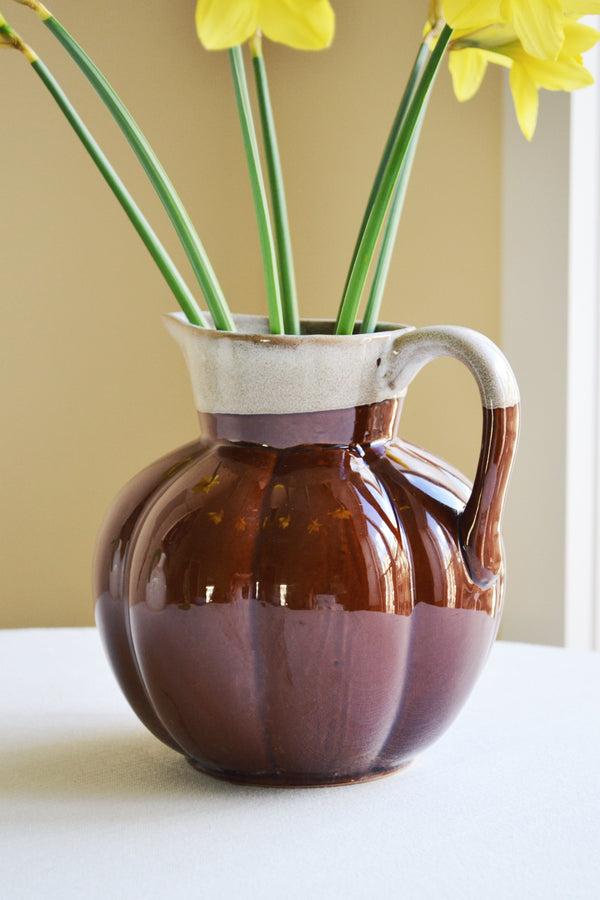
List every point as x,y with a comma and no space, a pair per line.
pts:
582,488
551,336
535,205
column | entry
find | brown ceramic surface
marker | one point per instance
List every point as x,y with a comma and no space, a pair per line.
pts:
304,614
108,578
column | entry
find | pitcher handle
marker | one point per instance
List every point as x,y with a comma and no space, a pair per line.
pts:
480,521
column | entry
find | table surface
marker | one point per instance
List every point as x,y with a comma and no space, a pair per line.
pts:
506,804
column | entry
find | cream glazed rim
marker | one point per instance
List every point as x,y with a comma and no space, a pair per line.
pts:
254,372
256,327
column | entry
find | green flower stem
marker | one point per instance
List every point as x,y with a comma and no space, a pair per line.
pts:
283,244
139,222
184,228
265,233
159,254
382,198
384,259
417,69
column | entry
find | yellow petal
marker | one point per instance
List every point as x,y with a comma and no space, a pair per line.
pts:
467,68
539,25
581,8
578,38
525,98
471,14
560,75
303,24
499,59
226,24
490,37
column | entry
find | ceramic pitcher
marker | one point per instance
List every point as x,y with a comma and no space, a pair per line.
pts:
301,597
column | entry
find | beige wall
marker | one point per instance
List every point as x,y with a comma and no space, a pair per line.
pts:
92,387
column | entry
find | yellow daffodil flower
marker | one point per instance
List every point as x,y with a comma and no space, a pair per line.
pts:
540,42
567,73
538,24
499,44
303,24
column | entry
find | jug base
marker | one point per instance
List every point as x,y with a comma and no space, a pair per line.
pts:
296,780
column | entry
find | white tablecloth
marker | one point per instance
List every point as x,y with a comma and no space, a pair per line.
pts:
506,804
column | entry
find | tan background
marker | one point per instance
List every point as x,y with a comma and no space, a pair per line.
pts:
92,387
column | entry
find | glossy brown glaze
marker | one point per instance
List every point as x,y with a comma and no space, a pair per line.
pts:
301,613
359,425
108,578
481,521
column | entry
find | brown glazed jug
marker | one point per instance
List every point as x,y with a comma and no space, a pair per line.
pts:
300,597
